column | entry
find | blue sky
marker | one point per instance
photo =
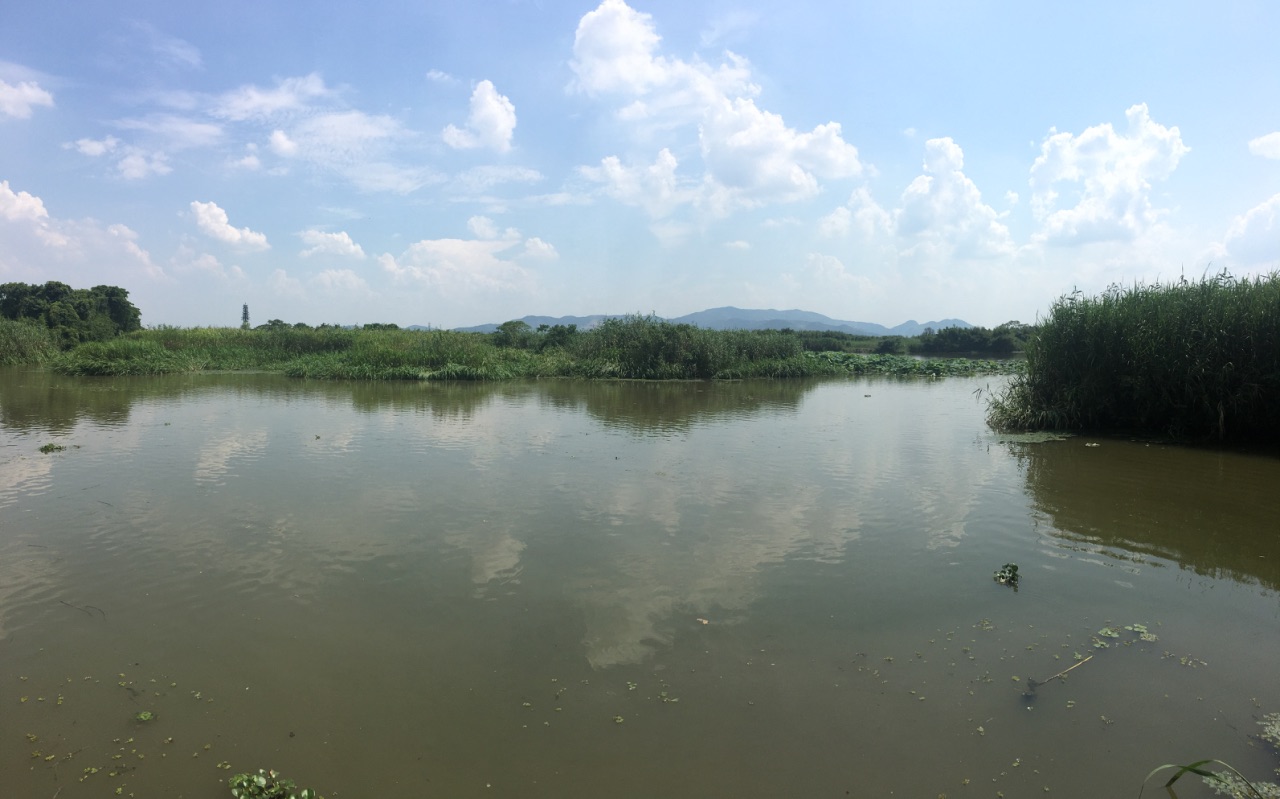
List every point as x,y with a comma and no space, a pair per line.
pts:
460,163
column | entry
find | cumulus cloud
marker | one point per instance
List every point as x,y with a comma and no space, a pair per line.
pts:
538,250
213,222
253,102
281,144
34,243
1266,146
1109,175
321,243
750,156
19,100
942,209
462,266
21,205
491,124
653,187
482,227
1253,239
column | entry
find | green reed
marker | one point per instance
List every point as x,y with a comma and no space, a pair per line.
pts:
1189,360
632,347
26,343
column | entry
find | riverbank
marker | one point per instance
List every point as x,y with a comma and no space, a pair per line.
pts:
625,348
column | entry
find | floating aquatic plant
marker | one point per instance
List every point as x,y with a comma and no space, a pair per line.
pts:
1008,575
267,785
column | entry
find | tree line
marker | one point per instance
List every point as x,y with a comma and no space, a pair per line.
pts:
72,316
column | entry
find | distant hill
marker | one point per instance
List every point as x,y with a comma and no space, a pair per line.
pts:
730,318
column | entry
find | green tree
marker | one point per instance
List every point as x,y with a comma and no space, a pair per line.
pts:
244,317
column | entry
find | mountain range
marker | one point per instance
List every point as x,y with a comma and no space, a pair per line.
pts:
730,318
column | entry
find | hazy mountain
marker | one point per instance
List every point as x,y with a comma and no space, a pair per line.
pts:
730,318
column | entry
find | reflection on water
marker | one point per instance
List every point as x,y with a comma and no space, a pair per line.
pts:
1214,513
457,589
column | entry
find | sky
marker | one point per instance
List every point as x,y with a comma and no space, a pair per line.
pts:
454,164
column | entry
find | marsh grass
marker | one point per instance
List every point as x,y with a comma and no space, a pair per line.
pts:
1193,360
23,342
632,347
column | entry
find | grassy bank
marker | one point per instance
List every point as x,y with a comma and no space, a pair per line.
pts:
1193,360
635,347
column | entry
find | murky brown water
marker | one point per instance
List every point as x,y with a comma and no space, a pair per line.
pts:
424,590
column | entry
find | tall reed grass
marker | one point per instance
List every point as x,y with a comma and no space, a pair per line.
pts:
24,342
1194,360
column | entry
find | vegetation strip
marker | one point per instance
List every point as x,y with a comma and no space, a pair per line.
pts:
632,347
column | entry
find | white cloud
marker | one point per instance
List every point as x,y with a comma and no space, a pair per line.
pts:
491,124
250,162
253,102
95,147
654,187
1110,175
284,286
20,206
170,48
1253,238
321,243
482,227
943,212
34,244
1267,146
750,156
439,76
177,133
186,260
17,101
281,144
538,250
482,178
737,244
213,221
341,280
137,164
462,266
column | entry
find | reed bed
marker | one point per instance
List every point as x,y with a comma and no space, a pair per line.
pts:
1190,360
633,347
24,342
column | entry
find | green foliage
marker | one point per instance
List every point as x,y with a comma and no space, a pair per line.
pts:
1190,360
267,785
25,342
629,347
72,315
1003,340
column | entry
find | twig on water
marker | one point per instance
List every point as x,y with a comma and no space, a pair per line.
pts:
86,608
1033,684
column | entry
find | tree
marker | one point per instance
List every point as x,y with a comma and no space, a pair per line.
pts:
72,315
244,317
515,333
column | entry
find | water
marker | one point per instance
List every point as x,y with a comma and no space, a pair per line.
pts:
565,589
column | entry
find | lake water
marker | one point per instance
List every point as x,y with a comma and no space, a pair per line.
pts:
565,589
